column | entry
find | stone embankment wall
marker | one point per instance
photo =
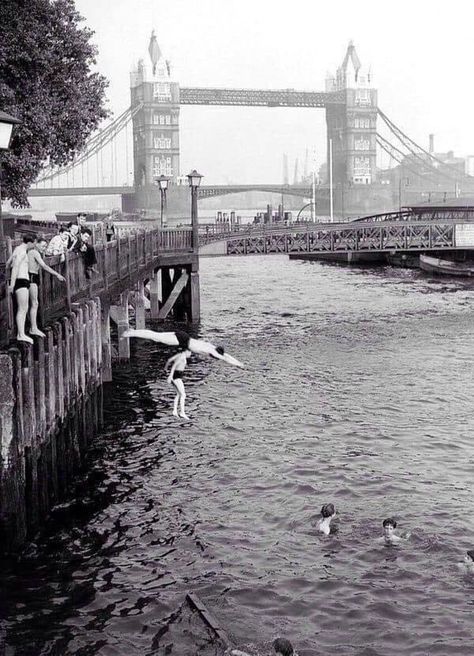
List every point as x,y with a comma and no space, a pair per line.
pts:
49,410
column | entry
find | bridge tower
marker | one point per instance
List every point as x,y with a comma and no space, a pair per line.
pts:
155,124
352,125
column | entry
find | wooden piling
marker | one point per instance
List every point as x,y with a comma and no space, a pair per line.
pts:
139,306
50,380
40,388
119,314
7,407
81,344
195,297
155,285
58,349
106,346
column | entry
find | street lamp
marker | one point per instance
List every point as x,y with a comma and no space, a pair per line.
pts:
194,179
6,127
163,184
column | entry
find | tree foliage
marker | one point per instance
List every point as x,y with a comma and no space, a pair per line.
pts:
48,82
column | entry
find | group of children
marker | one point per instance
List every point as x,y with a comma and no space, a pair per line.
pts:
389,536
75,238
26,262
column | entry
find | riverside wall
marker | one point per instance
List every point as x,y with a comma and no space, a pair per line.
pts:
50,408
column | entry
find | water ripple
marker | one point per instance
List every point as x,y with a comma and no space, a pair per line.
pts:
358,390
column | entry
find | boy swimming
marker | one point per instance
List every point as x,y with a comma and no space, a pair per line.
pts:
178,364
389,536
467,564
327,514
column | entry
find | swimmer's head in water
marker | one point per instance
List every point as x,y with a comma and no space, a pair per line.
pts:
389,522
470,554
283,646
328,510
389,525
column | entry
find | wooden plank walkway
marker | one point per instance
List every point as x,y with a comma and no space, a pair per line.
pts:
121,264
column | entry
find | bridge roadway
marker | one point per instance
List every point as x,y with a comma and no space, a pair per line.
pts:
258,97
205,191
416,230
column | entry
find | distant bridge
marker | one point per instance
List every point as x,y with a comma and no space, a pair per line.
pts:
46,192
205,191
209,191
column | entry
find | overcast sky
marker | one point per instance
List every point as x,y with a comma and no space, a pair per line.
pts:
420,54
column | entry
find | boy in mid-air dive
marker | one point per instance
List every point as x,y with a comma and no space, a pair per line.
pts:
178,364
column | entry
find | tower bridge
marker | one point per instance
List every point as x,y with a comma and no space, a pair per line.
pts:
350,102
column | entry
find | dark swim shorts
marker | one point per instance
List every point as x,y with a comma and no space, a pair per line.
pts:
183,339
21,283
177,374
34,278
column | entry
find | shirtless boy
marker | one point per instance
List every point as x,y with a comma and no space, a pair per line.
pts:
178,364
35,263
20,284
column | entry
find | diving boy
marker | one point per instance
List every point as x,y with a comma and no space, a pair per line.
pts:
178,364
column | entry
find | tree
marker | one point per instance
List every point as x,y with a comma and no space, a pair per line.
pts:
47,81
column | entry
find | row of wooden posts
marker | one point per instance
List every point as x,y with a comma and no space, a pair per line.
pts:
49,393
40,389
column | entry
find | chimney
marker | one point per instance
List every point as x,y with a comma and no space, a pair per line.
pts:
431,143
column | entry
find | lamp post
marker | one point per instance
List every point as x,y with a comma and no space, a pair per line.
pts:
163,184
194,179
6,127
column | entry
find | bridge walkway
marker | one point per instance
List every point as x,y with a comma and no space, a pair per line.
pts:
122,264
415,230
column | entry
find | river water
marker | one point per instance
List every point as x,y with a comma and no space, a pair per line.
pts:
358,391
